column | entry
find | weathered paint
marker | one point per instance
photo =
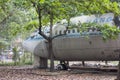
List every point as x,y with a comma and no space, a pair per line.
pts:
81,48
74,46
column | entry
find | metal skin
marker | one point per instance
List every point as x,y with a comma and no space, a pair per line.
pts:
73,46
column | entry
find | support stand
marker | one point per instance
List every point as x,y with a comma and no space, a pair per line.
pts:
39,62
83,63
43,63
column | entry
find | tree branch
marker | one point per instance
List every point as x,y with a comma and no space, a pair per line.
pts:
38,10
43,35
51,23
40,23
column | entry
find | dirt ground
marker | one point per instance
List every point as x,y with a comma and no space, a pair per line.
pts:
22,73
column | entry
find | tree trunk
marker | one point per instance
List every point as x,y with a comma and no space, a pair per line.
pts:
51,55
50,42
49,39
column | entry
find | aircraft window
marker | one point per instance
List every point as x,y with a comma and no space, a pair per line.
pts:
48,31
68,31
56,32
60,32
73,31
32,36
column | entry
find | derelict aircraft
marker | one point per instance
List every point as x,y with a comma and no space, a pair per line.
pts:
74,46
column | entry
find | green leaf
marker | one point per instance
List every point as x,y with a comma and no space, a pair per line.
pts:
42,1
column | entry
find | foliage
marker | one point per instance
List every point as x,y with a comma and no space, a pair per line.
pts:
107,31
3,44
50,11
94,7
15,55
78,7
26,58
98,6
13,64
13,17
31,25
25,18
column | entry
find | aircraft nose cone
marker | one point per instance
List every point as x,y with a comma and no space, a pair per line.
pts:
30,45
24,45
27,45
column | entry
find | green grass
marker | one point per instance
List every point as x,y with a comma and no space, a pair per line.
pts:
17,64
6,63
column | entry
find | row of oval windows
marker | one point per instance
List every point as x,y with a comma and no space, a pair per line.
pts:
73,31
69,31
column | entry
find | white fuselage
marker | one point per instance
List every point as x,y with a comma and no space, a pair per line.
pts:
74,46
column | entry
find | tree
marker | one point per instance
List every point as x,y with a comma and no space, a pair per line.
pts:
88,7
13,19
3,45
51,11
15,55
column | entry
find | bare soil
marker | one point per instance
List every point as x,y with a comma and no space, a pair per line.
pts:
28,73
